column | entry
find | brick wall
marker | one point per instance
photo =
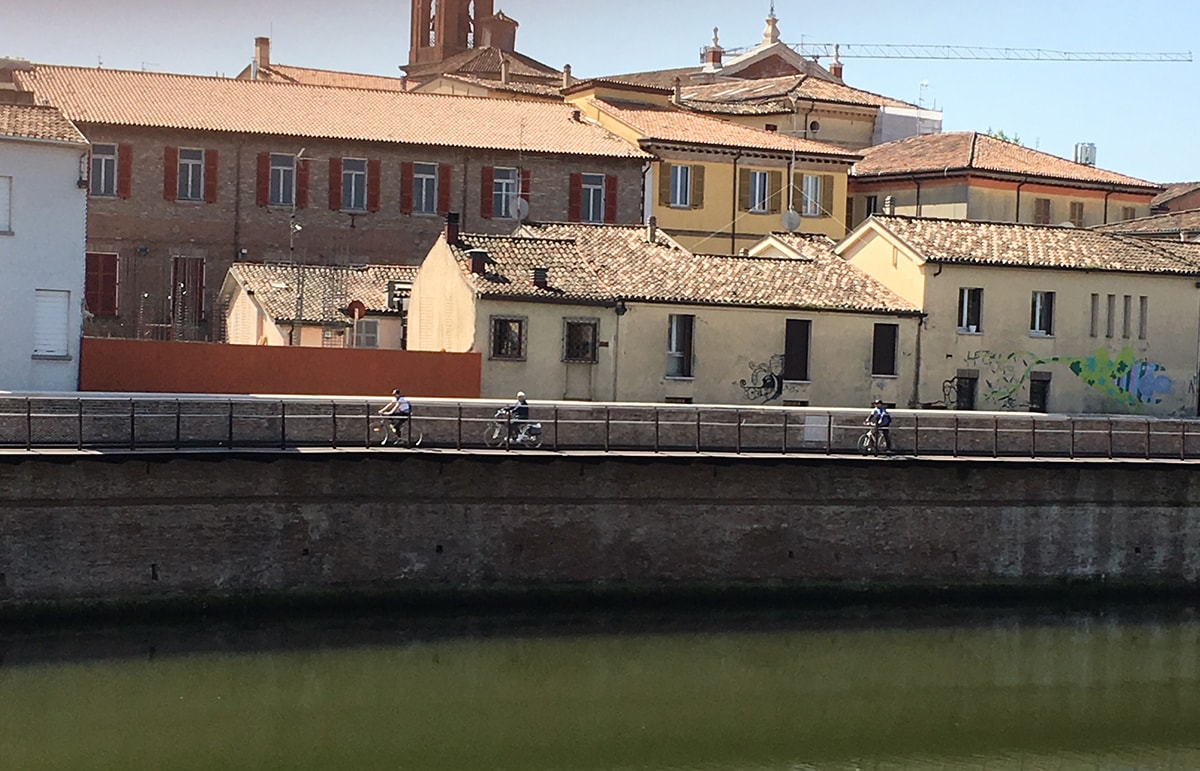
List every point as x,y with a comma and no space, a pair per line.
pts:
142,527
147,231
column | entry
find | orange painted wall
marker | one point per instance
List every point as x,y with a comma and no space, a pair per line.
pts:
109,364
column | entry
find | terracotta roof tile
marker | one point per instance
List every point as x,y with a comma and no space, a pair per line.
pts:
773,95
509,268
1039,246
327,290
485,60
1157,224
964,151
515,86
1174,190
331,78
670,124
28,121
115,97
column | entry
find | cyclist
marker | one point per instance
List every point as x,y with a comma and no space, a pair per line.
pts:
399,411
518,417
880,420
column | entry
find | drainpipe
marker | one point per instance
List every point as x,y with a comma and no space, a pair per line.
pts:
733,220
917,182
1021,184
915,400
1106,195
812,105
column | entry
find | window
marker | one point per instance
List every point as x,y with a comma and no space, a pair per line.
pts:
1041,211
283,179
191,175
425,188
970,309
508,338
104,170
1143,316
966,386
1039,391
1128,213
883,349
6,205
100,284
354,184
759,193
366,333
679,345
1094,324
591,207
579,340
872,204
1076,213
504,192
681,186
51,309
678,400
797,336
1041,314
1126,316
810,196
1111,321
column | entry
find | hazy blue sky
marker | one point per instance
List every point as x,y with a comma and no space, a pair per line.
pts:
1142,117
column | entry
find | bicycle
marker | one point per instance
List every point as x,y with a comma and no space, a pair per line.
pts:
385,429
872,442
501,432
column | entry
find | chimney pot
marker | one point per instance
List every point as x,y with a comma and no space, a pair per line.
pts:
451,231
889,204
677,95
478,261
568,81
541,277
652,230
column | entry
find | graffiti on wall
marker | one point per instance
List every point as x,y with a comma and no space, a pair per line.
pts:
1124,378
765,383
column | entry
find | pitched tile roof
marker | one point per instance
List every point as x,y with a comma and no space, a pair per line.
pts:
972,151
515,86
1168,223
1174,190
769,96
1039,246
327,290
604,263
673,125
28,121
485,60
312,77
115,97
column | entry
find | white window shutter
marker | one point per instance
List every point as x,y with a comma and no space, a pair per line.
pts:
50,311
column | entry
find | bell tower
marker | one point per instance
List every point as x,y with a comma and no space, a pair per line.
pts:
443,28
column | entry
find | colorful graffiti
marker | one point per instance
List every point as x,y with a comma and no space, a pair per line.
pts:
766,380
1125,379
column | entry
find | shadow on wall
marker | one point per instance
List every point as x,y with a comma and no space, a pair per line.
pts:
176,367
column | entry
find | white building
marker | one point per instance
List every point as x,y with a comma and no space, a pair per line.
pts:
43,220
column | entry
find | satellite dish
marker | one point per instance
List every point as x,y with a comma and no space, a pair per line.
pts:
522,208
790,220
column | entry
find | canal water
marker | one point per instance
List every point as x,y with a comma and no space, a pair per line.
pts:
1111,688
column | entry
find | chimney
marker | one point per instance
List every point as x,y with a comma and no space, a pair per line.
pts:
478,259
568,81
10,91
451,231
889,204
677,94
652,230
262,54
541,278
505,69
835,68
711,58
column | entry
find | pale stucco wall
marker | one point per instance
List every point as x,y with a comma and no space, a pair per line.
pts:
441,308
41,248
850,129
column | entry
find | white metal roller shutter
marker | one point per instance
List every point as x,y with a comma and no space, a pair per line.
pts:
50,310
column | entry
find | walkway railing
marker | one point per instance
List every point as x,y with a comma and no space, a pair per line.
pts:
191,422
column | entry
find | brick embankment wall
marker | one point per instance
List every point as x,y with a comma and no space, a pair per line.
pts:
114,529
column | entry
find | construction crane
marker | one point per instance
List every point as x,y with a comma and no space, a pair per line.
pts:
838,51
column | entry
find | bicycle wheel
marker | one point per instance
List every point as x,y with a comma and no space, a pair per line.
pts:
494,435
534,441
865,445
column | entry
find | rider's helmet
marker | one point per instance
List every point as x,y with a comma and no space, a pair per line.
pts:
877,401
395,392
521,395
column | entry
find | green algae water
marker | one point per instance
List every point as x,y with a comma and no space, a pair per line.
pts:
991,690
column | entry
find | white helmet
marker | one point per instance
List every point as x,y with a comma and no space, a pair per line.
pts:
520,394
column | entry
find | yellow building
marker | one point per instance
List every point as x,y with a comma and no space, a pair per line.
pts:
315,305
718,186
972,176
1040,317
624,313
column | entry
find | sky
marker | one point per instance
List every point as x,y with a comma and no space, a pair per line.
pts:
1142,117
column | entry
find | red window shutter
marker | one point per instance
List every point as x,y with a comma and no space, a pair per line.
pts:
526,178
100,284
406,187
210,176
443,189
302,184
171,173
124,170
91,282
335,184
610,199
575,198
262,189
374,172
487,178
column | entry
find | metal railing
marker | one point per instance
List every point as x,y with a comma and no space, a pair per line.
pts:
109,422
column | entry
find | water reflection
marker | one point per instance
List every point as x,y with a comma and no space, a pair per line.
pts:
992,690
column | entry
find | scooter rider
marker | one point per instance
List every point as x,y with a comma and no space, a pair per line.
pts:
518,416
